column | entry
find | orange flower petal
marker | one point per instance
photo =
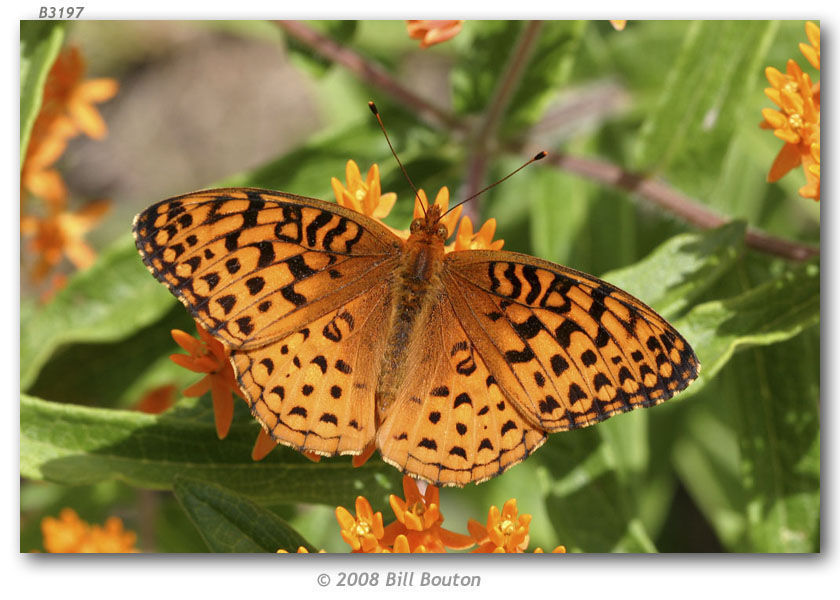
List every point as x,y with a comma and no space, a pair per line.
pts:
776,78
788,136
412,521
88,119
199,388
362,458
386,203
477,530
188,362
222,406
364,511
80,254
456,541
344,518
788,158
187,342
401,545
263,445
98,90
509,510
774,118
432,32
810,54
312,456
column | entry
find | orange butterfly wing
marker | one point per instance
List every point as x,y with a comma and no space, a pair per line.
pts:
265,272
518,347
513,347
568,349
451,423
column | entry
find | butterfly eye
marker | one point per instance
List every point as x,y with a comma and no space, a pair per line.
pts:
442,232
416,225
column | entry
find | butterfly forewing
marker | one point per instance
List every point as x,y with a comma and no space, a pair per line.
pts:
252,265
297,288
569,349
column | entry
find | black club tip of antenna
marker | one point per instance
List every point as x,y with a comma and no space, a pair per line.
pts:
373,108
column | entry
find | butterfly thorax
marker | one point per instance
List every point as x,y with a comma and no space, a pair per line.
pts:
415,291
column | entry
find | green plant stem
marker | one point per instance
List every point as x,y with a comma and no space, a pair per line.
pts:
649,190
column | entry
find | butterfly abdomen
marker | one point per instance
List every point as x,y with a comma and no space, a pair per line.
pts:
415,290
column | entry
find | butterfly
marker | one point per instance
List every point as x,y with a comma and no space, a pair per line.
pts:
456,365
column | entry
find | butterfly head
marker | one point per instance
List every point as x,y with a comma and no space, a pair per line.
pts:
430,225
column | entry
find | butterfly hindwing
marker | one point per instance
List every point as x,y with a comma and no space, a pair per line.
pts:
313,390
569,349
451,424
252,265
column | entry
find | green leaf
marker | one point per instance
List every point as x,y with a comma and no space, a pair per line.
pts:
77,445
485,47
117,374
751,454
486,51
702,98
779,434
548,69
230,522
40,42
582,488
107,302
706,457
769,313
680,269
308,170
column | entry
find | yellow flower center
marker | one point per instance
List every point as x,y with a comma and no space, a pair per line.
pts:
361,193
792,87
507,528
796,122
361,529
418,508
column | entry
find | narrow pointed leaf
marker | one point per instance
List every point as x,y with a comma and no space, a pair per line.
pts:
230,522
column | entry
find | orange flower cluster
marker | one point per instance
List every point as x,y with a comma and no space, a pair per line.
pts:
418,527
366,197
363,196
433,32
797,120
69,534
209,356
67,110
157,400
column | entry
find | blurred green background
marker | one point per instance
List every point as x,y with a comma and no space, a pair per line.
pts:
732,464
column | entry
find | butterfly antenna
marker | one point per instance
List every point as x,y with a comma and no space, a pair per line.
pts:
375,112
539,156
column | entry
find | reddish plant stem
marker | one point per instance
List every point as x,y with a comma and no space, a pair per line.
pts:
678,204
489,124
650,190
369,72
